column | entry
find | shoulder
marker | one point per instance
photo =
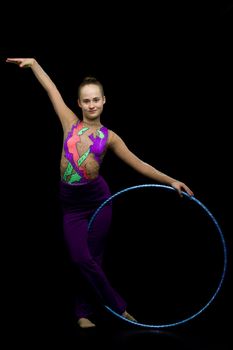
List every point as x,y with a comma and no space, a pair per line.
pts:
111,136
113,139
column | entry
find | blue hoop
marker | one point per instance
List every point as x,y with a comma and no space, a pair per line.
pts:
222,240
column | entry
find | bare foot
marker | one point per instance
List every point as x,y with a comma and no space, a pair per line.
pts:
85,323
128,316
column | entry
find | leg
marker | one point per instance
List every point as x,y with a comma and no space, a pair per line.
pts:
76,234
96,241
98,233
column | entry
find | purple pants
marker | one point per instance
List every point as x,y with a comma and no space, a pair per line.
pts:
79,202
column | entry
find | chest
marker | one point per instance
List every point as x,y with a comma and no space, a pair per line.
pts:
83,139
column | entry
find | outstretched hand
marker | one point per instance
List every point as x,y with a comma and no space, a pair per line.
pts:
21,62
179,186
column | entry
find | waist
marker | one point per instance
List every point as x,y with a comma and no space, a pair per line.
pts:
85,195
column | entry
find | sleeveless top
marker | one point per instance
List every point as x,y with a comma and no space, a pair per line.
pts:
82,165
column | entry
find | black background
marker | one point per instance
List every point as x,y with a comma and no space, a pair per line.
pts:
167,74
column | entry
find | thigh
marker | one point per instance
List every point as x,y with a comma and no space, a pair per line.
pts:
76,235
99,231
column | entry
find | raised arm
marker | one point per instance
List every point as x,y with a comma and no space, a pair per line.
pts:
65,115
117,145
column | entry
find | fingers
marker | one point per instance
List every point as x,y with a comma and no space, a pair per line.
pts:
14,60
186,189
190,193
21,62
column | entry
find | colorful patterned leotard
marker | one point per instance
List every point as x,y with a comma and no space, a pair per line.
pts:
84,149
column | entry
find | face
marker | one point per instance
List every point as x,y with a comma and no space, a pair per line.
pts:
91,101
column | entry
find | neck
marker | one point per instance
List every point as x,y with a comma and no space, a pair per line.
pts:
91,122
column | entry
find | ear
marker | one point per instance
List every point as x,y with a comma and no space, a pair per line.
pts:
79,104
104,99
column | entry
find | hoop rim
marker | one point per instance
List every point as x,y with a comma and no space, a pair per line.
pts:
198,202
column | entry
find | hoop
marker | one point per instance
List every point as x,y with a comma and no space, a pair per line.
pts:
169,188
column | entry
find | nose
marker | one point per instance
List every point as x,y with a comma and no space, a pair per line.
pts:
91,104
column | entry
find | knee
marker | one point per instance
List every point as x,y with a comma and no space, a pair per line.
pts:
83,262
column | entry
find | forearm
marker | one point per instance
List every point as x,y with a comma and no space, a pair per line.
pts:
55,97
156,175
42,77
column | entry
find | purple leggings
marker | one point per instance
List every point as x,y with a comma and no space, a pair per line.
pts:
79,202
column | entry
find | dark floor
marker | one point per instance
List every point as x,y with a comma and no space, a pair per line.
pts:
115,334
210,330
123,337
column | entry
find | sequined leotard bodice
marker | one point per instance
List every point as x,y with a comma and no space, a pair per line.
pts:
84,149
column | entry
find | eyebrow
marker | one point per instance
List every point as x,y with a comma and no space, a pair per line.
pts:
94,98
